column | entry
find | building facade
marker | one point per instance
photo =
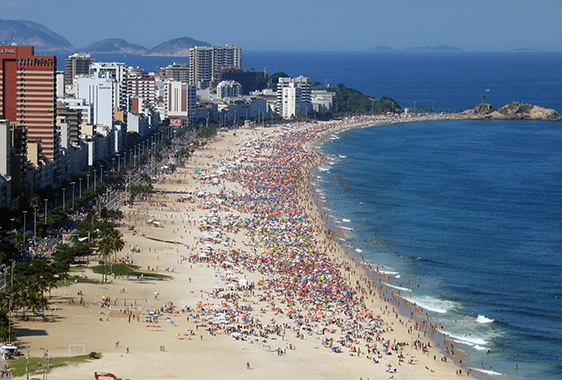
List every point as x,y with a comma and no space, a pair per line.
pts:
206,61
182,100
293,96
77,64
27,95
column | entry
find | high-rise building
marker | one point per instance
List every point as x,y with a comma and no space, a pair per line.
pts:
182,100
99,93
178,71
293,96
5,152
115,72
27,95
141,93
205,61
77,64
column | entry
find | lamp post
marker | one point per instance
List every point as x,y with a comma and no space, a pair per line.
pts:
46,201
118,161
34,221
80,187
12,219
73,192
9,319
63,198
27,365
87,180
101,173
24,223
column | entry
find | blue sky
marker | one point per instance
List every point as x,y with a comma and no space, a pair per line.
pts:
473,25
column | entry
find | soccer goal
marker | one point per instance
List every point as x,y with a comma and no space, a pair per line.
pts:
77,349
82,320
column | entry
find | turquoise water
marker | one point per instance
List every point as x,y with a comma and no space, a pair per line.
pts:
468,216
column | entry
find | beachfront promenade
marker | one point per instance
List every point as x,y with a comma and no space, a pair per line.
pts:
257,286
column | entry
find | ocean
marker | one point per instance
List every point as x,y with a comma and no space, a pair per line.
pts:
465,216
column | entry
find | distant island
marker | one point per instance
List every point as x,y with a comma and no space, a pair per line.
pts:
512,111
178,47
23,32
423,49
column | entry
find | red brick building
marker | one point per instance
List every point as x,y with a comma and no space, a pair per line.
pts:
28,94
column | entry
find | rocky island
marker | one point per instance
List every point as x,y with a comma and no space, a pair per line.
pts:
512,111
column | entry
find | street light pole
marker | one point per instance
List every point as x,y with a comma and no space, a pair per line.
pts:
87,180
46,200
101,173
73,192
80,187
63,198
24,223
35,221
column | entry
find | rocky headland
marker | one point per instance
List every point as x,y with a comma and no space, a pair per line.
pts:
512,111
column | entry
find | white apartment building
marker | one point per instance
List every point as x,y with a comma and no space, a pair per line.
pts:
229,89
5,178
115,72
98,92
293,96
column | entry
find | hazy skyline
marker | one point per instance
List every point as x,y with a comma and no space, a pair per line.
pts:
476,25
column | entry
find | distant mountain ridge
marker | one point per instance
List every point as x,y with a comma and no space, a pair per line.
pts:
23,32
29,33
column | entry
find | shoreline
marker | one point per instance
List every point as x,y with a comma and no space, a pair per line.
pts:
263,260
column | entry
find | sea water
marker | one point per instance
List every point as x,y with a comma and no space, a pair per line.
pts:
466,219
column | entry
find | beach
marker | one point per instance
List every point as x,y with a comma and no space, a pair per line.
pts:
258,285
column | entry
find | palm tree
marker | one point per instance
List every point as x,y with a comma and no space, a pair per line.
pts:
118,243
105,248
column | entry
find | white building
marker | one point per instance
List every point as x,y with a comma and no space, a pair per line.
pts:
229,89
98,92
5,178
115,72
293,96
137,123
322,100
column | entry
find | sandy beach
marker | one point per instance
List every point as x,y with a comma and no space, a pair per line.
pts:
258,287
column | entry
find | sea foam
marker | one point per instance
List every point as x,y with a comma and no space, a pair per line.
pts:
433,304
469,340
398,287
483,319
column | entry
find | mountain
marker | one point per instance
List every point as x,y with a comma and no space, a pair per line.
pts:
178,47
23,32
434,49
115,46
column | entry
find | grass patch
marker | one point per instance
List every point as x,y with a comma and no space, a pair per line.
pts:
76,280
17,366
121,269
